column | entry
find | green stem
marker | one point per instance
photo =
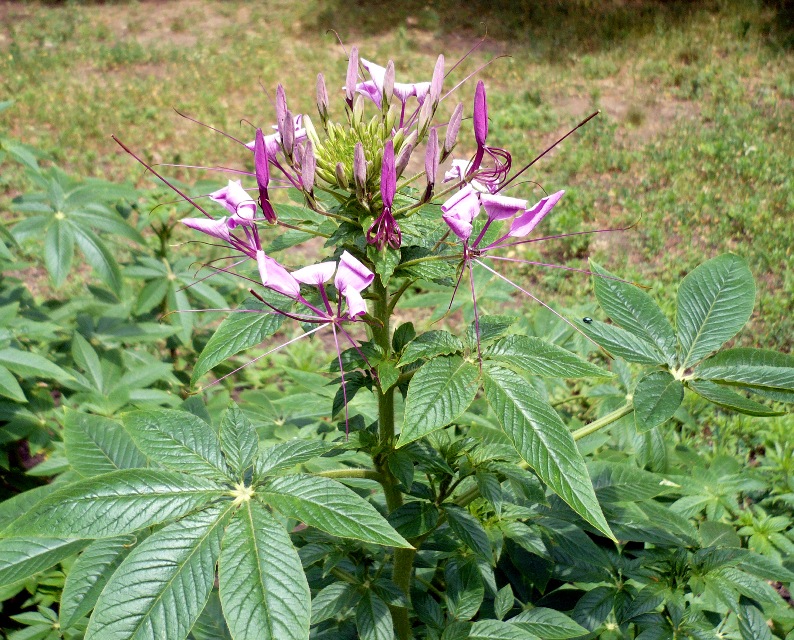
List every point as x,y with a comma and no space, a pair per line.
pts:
403,558
608,419
411,263
366,474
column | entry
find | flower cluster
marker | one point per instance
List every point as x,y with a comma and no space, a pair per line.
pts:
351,174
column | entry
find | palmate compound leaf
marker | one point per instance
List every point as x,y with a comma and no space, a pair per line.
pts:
263,589
331,507
635,311
178,440
543,442
715,301
438,394
542,358
251,323
160,589
115,503
89,575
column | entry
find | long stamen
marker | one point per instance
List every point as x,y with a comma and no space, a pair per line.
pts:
344,384
482,233
539,301
267,353
359,351
473,73
214,273
223,133
267,313
498,243
286,314
559,266
581,124
150,168
196,166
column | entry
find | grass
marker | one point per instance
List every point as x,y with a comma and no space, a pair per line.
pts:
694,138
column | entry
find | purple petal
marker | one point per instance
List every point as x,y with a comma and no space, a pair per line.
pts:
480,114
356,305
502,207
214,228
525,223
432,156
352,75
388,175
453,127
370,90
351,274
315,274
237,202
276,277
460,210
376,72
281,105
438,80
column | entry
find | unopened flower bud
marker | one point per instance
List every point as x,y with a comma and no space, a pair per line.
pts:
480,114
341,176
322,98
311,132
308,168
425,116
352,76
281,106
358,110
287,133
432,156
393,116
388,84
437,82
404,156
452,129
360,168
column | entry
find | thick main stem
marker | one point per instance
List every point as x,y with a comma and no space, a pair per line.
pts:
403,558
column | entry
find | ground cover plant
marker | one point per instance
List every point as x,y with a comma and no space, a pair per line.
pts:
409,463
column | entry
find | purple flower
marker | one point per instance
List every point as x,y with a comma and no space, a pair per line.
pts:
352,275
501,207
262,170
237,202
276,277
385,230
315,274
502,160
403,90
460,210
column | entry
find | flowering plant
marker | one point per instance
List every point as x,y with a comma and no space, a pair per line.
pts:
421,520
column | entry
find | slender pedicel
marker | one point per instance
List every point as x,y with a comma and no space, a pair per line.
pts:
561,235
223,133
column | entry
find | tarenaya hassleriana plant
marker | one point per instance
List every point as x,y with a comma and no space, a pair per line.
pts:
424,506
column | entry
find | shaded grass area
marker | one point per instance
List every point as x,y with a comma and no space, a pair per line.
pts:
694,139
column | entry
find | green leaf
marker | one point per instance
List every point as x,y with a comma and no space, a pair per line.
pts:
724,397
31,365
287,454
385,261
403,334
594,607
59,250
468,529
332,600
656,398
96,445
87,359
491,328
388,375
465,590
429,345
497,630
89,575
752,624
542,358
263,590
635,311
151,295
248,326
714,302
543,441
161,588
621,343
115,503
9,387
373,619
178,440
753,367
615,482
99,257
331,507
211,624
504,601
20,558
438,394
414,519
238,438
549,624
